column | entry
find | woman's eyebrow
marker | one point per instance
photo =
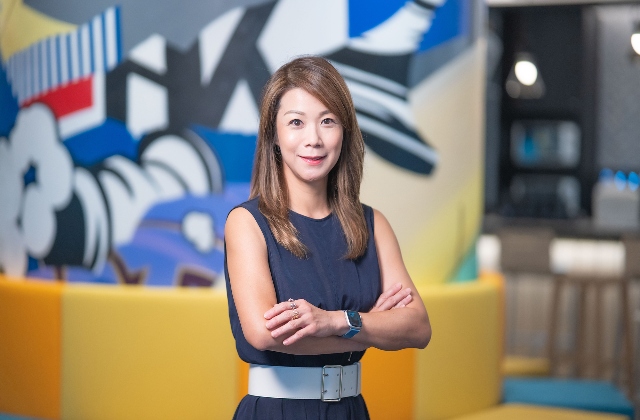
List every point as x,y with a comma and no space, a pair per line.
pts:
294,111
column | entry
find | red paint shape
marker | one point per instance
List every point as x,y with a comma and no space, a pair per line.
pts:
68,99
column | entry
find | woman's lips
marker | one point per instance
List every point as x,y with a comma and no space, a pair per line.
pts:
313,160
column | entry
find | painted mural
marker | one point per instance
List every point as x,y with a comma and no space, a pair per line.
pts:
125,141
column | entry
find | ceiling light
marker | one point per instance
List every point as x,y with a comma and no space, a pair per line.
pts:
526,72
524,81
635,39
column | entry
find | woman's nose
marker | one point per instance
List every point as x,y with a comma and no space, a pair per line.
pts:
313,136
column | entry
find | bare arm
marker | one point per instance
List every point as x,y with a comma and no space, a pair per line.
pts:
400,328
407,325
254,293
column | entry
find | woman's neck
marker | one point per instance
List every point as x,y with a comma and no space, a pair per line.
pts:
309,199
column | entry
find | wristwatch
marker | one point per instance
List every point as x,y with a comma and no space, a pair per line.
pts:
355,323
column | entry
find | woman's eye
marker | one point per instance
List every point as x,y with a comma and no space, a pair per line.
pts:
328,121
296,122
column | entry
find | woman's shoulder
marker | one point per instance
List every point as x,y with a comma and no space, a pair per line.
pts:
369,212
374,216
251,204
243,221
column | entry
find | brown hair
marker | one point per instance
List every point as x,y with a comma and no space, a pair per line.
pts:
319,78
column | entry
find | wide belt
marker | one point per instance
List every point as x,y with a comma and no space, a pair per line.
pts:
327,383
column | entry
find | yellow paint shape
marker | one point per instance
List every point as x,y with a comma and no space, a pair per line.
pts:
436,217
23,26
30,348
459,372
530,412
147,353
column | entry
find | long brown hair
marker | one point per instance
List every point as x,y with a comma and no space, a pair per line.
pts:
319,78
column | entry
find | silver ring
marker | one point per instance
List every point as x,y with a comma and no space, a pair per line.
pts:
292,304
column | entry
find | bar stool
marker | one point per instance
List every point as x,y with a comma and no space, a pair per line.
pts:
594,389
524,252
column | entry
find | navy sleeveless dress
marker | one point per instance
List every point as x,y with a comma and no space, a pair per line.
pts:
326,280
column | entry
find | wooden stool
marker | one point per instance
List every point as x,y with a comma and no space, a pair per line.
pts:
578,358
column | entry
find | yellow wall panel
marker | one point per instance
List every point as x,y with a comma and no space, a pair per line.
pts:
388,383
30,348
144,353
458,372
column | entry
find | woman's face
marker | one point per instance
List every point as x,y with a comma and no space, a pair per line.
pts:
309,136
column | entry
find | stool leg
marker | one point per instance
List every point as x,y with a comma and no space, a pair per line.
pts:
580,341
553,324
627,337
598,321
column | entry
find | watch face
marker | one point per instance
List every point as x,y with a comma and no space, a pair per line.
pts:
354,319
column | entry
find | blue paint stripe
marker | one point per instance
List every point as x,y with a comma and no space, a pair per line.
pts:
47,47
80,59
69,59
105,57
92,63
59,60
35,75
118,35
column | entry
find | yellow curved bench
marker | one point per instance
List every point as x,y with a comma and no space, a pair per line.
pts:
90,352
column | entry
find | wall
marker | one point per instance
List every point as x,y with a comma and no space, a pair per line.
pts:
128,130
618,73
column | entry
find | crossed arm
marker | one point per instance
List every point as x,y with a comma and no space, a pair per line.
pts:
398,320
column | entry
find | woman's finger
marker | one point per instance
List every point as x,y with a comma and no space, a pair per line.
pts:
282,318
387,294
404,302
392,301
301,333
281,307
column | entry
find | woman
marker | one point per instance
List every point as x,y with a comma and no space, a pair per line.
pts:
305,267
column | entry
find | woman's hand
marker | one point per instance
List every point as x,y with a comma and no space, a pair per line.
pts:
394,297
303,320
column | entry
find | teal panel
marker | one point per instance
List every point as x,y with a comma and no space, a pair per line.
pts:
468,269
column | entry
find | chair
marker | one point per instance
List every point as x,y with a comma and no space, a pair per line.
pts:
524,252
632,272
594,389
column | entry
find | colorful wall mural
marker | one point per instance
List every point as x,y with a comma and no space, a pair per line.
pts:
127,134
127,130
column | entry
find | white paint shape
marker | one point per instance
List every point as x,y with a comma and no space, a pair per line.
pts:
214,39
198,228
96,220
64,60
182,160
98,49
400,34
241,114
298,28
111,37
147,105
85,46
151,53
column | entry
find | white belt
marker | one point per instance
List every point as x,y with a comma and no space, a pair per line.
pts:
328,383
